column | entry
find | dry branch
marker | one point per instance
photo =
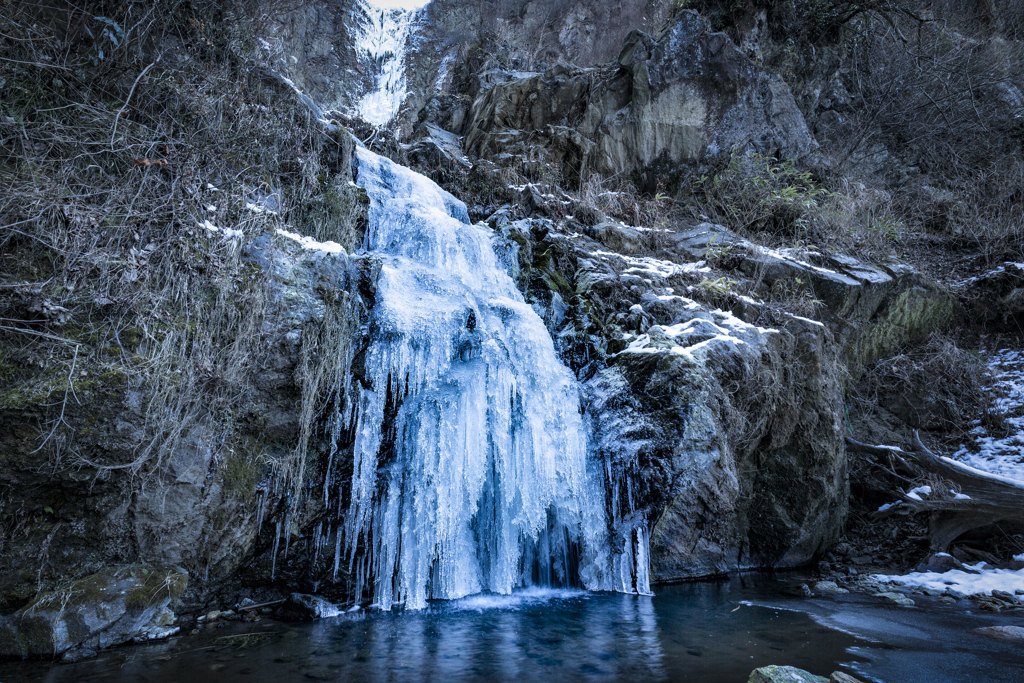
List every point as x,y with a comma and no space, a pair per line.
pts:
990,498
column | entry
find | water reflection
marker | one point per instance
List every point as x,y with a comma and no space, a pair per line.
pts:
696,632
534,635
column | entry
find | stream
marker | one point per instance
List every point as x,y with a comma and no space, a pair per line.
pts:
713,632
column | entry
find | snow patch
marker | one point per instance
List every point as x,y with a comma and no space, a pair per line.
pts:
916,492
652,266
310,243
230,233
700,335
988,580
1001,455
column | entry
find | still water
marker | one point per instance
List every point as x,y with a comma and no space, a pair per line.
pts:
709,632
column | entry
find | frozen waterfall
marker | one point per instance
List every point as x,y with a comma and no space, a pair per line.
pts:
470,456
380,44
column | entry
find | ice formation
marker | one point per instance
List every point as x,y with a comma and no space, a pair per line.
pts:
380,45
471,470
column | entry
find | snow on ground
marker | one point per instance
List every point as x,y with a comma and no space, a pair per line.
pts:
230,233
999,456
644,265
310,243
1002,455
995,271
712,332
984,582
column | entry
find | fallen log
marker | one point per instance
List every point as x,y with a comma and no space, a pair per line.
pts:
984,499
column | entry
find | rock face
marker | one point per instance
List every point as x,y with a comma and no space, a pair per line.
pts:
203,507
890,303
720,416
719,410
115,606
684,97
713,414
313,44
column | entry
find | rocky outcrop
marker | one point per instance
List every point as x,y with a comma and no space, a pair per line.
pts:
872,309
201,503
464,47
313,44
686,96
722,417
115,606
720,421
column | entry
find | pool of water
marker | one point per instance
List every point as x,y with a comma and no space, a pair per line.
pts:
709,632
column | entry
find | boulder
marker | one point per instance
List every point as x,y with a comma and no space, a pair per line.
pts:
305,607
621,238
896,598
783,674
115,606
840,677
1015,633
940,563
829,587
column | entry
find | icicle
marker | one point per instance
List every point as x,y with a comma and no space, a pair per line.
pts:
259,514
335,430
337,551
316,541
287,532
626,566
643,565
273,556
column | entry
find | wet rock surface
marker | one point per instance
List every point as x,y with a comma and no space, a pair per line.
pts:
304,607
1014,633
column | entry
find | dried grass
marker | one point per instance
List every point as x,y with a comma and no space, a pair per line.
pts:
936,385
112,250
